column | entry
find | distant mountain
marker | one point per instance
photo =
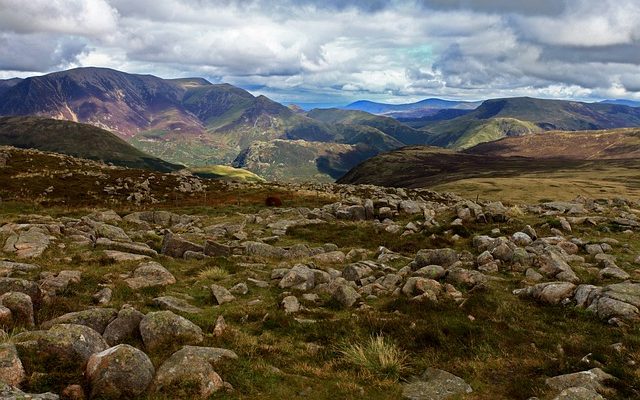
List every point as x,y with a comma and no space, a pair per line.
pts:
427,104
386,125
77,140
555,158
6,84
498,118
622,102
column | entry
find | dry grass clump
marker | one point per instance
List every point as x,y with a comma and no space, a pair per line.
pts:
378,356
213,274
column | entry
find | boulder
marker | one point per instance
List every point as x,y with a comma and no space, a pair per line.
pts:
120,372
548,292
95,318
465,277
263,250
300,277
290,304
66,346
21,308
30,288
189,373
175,246
578,393
443,257
345,296
435,384
150,274
164,329
11,369
8,392
124,327
356,272
221,295
175,304
53,285
215,249
592,379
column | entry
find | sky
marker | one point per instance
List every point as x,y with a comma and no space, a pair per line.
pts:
334,52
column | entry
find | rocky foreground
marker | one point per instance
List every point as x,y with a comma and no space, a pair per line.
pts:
481,300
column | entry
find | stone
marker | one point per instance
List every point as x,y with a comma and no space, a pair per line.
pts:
331,257
30,288
28,244
175,304
606,308
95,318
552,265
8,392
121,256
409,207
431,272
11,369
443,257
8,268
548,292
220,326
615,272
435,384
111,232
56,284
164,329
103,296
124,327
175,246
150,274
73,392
239,289
215,249
120,372
290,304
345,296
415,286
67,344
300,277
356,272
221,295
466,277
189,373
592,379
21,308
521,239
263,250
578,393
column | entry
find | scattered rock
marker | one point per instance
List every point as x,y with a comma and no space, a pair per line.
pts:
435,384
175,304
120,372
148,275
164,330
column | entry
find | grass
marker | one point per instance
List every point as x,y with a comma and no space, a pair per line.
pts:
213,274
378,356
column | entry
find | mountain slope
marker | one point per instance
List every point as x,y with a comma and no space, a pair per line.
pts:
542,165
386,125
525,111
77,140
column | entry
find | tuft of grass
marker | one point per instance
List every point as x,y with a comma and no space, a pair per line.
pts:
213,273
378,356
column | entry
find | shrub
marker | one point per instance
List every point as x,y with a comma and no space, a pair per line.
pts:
377,356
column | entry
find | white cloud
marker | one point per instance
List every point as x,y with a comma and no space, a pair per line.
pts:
340,49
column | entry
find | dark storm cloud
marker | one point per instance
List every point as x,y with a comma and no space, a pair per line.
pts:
310,50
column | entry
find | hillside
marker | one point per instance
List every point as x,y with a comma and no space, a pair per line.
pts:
524,113
300,160
78,140
133,284
387,125
545,165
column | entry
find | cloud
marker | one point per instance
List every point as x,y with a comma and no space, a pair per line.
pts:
311,50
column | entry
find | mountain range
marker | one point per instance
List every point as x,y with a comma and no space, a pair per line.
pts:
196,123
